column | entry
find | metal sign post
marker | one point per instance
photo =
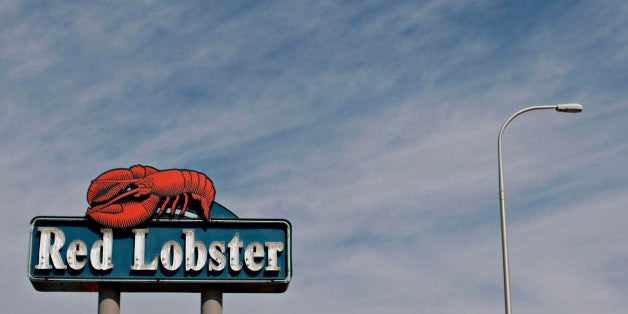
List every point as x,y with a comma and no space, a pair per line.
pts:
211,302
108,299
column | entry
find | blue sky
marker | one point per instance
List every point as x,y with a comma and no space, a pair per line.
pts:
371,126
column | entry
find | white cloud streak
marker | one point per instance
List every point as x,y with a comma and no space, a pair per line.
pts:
371,127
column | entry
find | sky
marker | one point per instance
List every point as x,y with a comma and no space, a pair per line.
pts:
371,126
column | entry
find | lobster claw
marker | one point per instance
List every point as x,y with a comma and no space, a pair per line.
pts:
111,185
125,214
112,182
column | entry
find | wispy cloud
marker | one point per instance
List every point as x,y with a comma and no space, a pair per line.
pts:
372,127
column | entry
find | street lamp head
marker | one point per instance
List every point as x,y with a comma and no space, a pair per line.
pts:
573,108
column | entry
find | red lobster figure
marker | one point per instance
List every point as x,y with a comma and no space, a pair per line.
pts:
122,198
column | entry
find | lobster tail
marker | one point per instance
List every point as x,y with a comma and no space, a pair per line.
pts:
202,189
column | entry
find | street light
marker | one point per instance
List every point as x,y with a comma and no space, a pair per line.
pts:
571,108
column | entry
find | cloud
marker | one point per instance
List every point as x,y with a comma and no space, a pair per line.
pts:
372,127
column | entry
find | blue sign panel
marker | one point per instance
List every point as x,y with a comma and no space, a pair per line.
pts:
180,255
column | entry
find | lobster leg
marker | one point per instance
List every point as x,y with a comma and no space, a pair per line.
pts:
185,204
174,205
163,207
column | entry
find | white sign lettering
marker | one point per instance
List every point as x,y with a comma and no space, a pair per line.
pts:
193,254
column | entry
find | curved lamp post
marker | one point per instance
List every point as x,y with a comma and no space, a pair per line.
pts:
573,108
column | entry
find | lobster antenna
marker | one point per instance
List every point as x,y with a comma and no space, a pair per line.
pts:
116,180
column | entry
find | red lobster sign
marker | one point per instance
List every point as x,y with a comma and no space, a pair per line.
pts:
123,198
